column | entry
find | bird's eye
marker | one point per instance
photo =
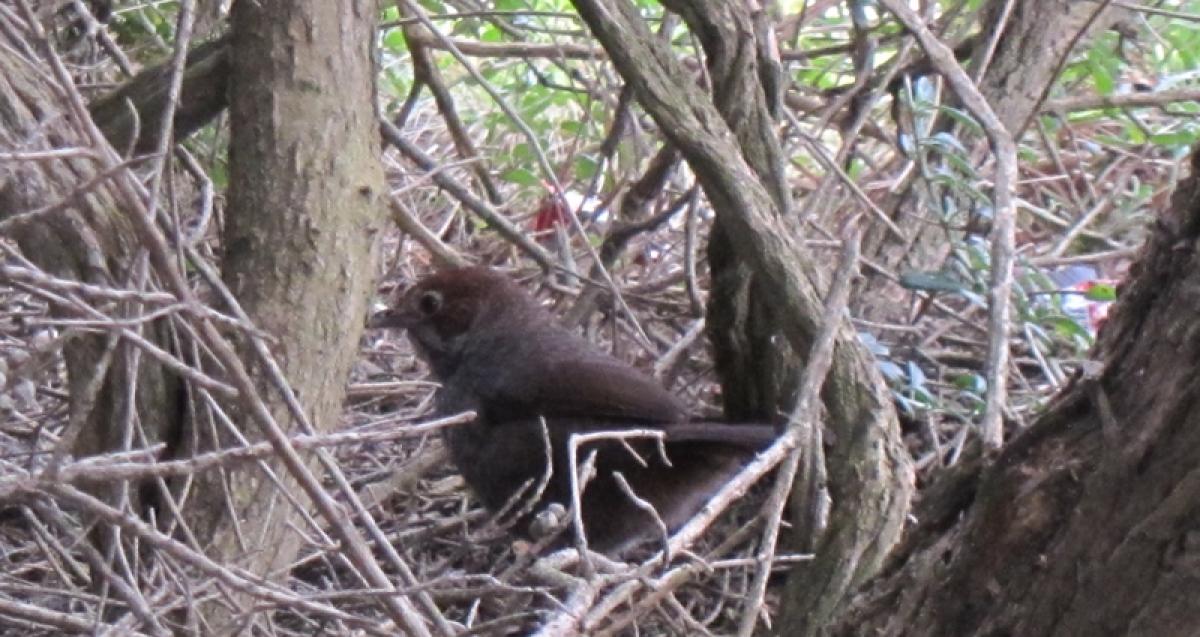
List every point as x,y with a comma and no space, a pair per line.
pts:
429,302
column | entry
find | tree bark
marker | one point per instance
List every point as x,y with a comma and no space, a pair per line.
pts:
870,474
302,220
143,99
759,372
1086,523
1015,82
118,398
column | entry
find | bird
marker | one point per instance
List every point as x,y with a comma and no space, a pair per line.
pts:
534,383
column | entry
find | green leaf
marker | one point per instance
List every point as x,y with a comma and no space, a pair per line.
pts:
1134,135
1179,138
490,33
520,176
1101,292
1101,76
929,282
974,299
219,174
1068,328
522,153
949,141
970,382
585,167
916,376
890,370
962,117
394,41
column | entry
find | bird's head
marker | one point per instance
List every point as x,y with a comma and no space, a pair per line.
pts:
444,311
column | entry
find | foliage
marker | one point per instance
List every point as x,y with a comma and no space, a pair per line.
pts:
542,109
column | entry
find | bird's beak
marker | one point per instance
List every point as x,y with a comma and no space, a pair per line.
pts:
388,318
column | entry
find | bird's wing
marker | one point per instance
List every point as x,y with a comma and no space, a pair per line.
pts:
594,387
605,393
604,388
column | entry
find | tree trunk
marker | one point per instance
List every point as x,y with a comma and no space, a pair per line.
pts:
869,471
759,372
1016,83
119,399
302,219
1086,523
204,94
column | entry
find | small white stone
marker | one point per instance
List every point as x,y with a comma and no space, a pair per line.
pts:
43,340
548,520
26,393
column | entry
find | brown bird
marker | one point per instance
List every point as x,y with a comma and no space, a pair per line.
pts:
496,351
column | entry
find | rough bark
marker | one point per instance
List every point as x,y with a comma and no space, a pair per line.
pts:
1086,523
302,220
137,106
82,234
1016,82
758,370
870,476
299,241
